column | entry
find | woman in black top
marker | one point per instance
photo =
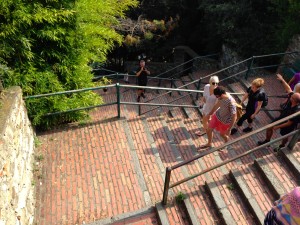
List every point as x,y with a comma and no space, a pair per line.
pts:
142,78
255,96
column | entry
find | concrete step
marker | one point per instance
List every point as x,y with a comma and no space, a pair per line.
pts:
278,180
246,195
145,216
292,162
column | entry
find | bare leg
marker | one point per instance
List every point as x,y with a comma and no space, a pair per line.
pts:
205,122
209,136
269,133
225,137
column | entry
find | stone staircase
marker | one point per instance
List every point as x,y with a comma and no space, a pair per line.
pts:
126,161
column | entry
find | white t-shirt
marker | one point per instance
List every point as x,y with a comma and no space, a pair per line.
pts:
210,100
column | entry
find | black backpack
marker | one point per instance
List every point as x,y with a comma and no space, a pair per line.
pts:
265,99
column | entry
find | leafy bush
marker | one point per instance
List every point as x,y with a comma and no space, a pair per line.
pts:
45,47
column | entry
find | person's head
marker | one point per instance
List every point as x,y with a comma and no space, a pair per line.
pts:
214,81
257,84
219,91
297,88
295,99
142,63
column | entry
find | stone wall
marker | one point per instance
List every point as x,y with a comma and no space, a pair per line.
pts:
293,47
17,192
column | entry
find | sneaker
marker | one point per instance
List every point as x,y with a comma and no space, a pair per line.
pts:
143,95
233,131
262,142
247,129
138,99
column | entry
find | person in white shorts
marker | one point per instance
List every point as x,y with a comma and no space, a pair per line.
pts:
209,100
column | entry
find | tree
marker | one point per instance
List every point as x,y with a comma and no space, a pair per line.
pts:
288,20
47,46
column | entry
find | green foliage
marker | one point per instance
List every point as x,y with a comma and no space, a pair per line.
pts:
180,197
230,186
289,18
45,47
37,142
244,25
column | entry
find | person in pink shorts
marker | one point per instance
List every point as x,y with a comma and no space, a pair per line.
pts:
223,116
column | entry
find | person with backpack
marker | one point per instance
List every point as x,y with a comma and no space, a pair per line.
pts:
290,108
257,98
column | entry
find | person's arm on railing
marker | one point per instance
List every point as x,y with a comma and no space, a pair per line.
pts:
284,83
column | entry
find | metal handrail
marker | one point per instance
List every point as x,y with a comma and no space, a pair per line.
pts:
199,80
167,185
169,89
251,59
182,64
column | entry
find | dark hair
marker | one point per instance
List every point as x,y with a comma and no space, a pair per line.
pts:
219,90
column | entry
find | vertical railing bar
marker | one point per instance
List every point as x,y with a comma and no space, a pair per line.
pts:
166,186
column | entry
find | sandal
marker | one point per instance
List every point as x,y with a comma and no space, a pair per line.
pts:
199,134
205,146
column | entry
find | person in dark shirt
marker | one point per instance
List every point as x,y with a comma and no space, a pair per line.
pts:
142,78
291,108
255,100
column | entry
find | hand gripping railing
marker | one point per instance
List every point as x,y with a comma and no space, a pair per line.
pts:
291,144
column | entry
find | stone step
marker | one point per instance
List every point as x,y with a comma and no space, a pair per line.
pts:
292,162
273,183
219,202
188,150
162,214
187,100
197,209
145,216
247,197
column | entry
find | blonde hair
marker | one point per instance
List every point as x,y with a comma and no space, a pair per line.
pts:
214,79
258,82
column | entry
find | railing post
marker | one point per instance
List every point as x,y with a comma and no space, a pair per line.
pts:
166,186
140,110
171,86
198,88
159,82
294,140
249,67
118,100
